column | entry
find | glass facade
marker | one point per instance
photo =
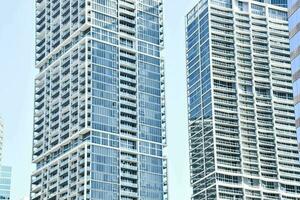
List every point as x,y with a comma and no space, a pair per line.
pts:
5,171
283,3
5,182
99,129
294,27
1,137
242,132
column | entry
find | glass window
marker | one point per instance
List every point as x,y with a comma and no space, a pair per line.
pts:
277,14
294,42
294,19
258,10
296,64
296,87
223,3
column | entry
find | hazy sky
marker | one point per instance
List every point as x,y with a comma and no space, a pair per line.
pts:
17,74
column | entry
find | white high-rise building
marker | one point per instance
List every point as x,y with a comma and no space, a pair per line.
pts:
243,141
99,118
5,171
1,137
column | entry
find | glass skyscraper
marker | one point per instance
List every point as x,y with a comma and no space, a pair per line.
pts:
5,182
99,117
294,26
5,171
243,143
1,137
282,3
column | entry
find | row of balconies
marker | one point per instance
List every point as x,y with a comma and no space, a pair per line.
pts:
223,39
242,25
224,20
60,36
37,150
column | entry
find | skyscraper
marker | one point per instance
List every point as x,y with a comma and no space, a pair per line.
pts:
1,137
294,27
5,171
5,182
99,122
283,3
241,116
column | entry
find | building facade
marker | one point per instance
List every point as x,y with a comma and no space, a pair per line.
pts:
5,182
294,27
1,137
99,118
283,3
5,171
241,115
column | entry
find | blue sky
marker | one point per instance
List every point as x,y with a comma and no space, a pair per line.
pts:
17,74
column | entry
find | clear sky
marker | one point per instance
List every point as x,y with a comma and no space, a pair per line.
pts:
17,74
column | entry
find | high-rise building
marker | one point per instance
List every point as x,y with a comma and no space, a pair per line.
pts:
5,171
294,27
99,117
283,3
1,137
241,115
5,182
